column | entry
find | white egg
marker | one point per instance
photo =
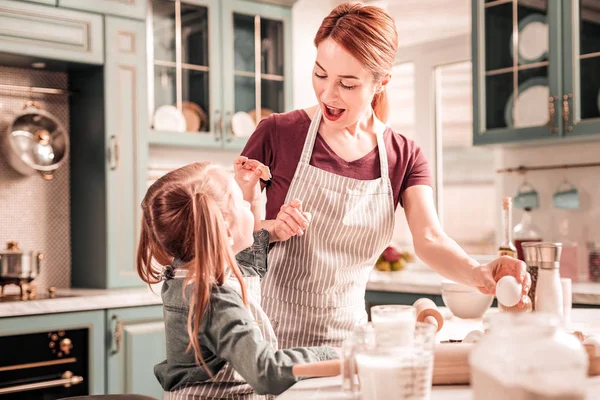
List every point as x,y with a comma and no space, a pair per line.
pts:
508,291
473,337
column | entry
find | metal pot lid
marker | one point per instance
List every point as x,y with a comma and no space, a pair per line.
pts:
38,140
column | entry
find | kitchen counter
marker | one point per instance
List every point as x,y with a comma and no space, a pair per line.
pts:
423,280
70,300
585,320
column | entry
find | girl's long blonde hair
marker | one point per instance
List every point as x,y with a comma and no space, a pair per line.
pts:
184,218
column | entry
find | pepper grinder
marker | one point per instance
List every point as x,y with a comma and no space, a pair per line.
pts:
548,290
530,256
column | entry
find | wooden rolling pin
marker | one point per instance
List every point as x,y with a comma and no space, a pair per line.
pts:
428,312
318,369
451,363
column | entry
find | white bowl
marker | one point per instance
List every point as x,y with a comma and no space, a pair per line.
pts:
464,301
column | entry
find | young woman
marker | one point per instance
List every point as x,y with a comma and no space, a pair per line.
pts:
351,172
220,344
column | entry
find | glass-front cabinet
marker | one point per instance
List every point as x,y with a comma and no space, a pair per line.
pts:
218,68
581,98
535,66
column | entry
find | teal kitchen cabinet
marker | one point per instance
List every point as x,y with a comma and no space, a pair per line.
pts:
212,59
536,70
48,32
136,342
108,162
581,68
93,321
123,8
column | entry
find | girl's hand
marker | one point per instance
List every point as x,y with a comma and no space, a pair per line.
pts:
487,275
291,221
247,175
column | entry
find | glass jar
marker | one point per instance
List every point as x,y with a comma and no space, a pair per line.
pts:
528,356
594,261
362,336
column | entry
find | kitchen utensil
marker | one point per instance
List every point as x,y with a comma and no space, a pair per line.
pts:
566,196
394,323
428,312
404,371
195,118
35,141
533,39
465,301
530,107
242,124
169,118
526,197
548,291
17,267
530,256
451,363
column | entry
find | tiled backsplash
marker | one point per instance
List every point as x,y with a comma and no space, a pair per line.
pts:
35,212
583,224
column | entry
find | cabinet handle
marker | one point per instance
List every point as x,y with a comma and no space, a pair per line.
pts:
67,380
566,112
552,112
117,334
228,127
113,152
218,125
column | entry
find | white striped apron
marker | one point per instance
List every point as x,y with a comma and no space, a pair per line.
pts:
227,383
314,290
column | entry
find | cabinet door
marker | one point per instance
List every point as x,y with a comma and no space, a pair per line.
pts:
137,343
257,70
580,104
516,70
128,8
48,32
126,119
186,72
93,320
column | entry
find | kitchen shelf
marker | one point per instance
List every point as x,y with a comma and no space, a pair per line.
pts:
183,139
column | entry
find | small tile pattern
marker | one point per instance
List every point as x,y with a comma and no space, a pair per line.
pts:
35,212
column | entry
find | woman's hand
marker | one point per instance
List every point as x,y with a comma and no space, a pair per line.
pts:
291,221
487,275
247,175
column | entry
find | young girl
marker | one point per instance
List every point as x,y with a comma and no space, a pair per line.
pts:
220,343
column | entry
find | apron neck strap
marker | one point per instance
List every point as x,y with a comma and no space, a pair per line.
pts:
309,144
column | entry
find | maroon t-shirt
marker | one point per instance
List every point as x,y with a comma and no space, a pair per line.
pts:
278,142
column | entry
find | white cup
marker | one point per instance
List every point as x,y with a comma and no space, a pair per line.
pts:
567,291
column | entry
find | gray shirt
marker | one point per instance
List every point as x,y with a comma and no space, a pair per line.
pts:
228,335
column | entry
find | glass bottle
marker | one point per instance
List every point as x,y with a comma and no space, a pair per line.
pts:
528,356
507,248
525,231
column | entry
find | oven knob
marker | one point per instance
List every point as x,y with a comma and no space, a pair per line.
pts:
66,346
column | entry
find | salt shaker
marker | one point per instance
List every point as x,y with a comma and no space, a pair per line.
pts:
548,290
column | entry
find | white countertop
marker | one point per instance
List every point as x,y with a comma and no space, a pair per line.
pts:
421,279
83,300
584,320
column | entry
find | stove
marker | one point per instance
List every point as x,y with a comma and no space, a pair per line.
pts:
28,291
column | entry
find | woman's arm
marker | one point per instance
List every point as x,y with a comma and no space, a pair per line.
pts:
231,334
444,255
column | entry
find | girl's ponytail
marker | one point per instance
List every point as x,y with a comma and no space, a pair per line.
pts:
213,254
144,255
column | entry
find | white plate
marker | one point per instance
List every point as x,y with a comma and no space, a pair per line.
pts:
242,124
531,106
169,118
534,38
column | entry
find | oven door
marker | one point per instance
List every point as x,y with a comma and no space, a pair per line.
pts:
44,366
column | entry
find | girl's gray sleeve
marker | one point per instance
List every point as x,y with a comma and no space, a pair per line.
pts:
231,333
253,260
